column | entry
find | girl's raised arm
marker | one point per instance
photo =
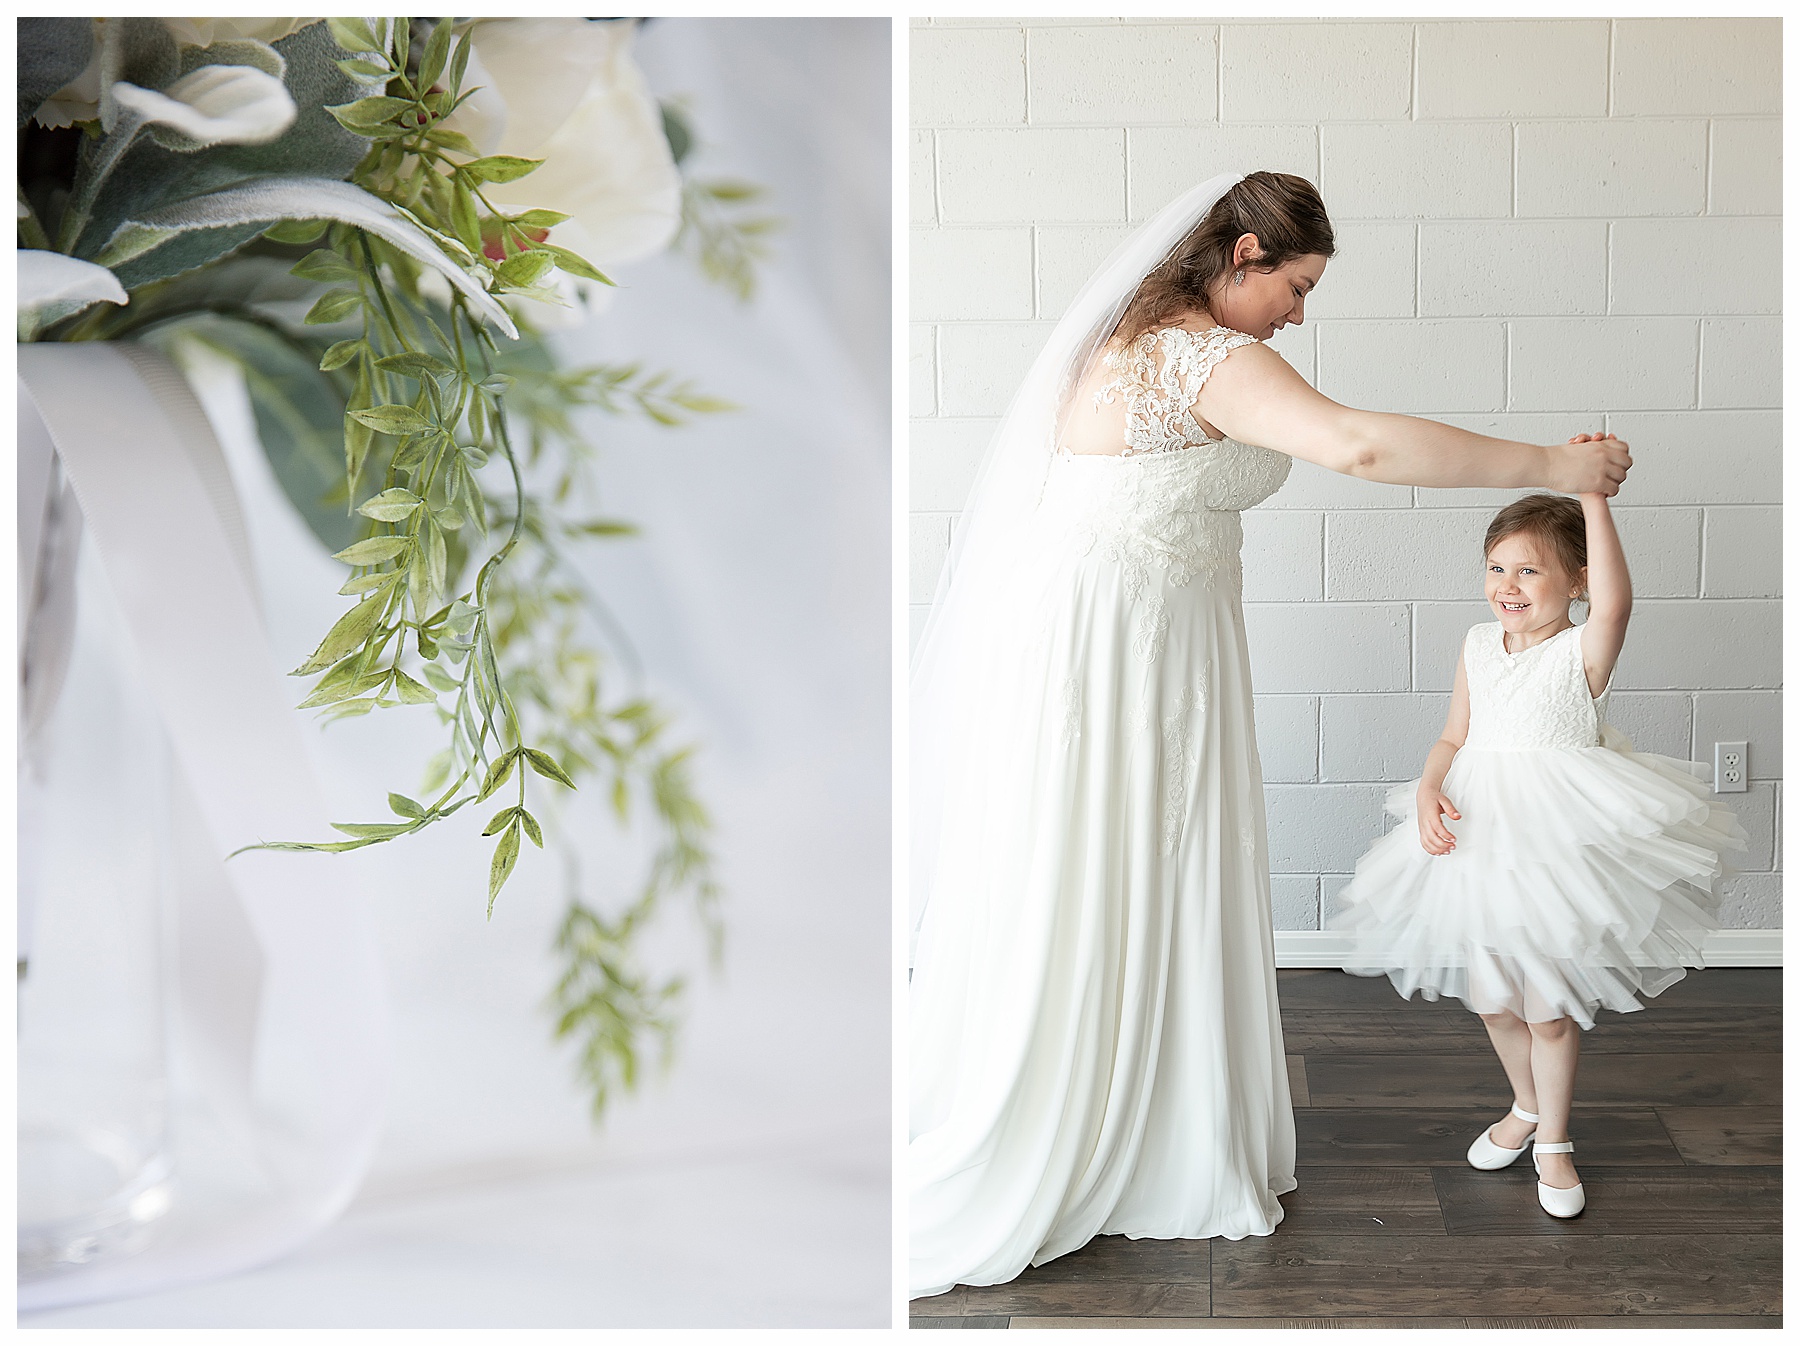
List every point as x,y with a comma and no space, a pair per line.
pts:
1609,594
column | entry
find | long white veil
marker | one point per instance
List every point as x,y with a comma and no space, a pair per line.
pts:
955,653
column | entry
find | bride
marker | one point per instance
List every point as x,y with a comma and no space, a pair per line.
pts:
1095,1041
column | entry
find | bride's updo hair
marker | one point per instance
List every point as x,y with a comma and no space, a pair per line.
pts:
1282,210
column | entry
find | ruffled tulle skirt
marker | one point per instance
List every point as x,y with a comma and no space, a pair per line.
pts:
1582,879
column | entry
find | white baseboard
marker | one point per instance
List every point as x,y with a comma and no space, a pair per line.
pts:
1723,948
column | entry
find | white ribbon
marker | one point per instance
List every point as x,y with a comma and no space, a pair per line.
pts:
299,1098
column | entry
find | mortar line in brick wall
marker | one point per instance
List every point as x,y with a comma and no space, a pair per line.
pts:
1412,92
1219,72
1705,520
1609,267
1706,167
1512,166
1128,212
1612,33
1025,60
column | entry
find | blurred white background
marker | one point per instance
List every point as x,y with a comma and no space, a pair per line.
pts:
750,1185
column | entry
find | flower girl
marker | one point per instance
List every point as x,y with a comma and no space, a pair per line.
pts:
1553,870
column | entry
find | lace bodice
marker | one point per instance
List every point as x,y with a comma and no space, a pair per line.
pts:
1171,500
1537,698
1160,374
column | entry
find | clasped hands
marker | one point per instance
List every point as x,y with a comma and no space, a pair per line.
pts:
1590,465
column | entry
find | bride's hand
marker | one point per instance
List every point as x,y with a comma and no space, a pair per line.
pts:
1589,465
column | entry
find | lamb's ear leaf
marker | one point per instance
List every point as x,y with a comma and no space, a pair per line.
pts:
149,177
51,53
139,255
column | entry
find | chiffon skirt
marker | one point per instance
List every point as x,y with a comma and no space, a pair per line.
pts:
1095,1040
1582,879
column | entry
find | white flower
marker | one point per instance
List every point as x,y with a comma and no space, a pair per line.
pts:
51,278
205,32
215,105
567,91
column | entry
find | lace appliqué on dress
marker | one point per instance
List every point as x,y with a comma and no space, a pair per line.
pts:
1537,698
1159,396
1152,630
1181,757
1070,728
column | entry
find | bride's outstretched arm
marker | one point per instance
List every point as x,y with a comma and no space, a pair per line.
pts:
1256,397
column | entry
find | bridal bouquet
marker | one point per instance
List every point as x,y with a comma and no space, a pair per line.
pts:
378,220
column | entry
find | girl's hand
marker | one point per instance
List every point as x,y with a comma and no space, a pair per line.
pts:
1589,465
1434,806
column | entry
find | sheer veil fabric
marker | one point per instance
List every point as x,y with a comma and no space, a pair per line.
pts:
952,654
1094,1036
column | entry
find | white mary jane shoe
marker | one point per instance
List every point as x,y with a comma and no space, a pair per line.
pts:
1485,1154
1563,1202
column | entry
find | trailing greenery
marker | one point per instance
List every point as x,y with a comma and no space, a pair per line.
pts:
389,414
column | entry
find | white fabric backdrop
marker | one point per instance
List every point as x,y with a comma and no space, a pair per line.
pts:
751,1185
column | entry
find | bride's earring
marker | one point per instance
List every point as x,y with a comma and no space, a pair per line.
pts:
1238,279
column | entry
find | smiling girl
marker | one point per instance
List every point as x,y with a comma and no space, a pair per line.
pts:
1551,870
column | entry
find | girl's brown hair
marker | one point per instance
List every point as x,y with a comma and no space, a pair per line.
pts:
1556,520
1283,211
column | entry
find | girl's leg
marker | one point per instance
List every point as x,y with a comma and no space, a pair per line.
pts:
1555,1047
1512,1043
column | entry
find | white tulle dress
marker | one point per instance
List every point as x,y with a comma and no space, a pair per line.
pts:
1095,1041
1584,873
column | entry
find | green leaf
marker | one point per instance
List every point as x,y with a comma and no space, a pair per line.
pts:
414,364
500,167
326,264
372,551
440,679
451,140
500,820
363,70
539,219
527,268
498,773
346,634
463,217
391,505
459,66
393,419
506,855
341,353
367,114
376,830
362,584
437,51
334,306
352,35
532,829
605,528
576,265
547,766
412,692
296,231
342,683
406,808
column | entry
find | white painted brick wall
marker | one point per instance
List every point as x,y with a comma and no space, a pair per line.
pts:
1544,225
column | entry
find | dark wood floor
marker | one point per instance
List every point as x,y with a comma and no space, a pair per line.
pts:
1678,1125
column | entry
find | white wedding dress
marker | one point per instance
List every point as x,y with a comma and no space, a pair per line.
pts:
1095,1041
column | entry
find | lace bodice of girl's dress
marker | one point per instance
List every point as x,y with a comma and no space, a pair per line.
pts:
1171,497
1537,698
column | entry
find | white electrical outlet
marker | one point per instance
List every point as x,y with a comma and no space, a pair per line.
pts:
1731,768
